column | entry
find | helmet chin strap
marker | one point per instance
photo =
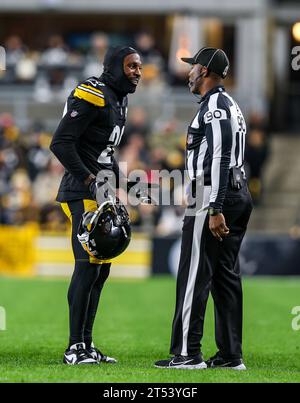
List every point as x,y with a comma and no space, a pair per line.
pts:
111,202
110,220
84,238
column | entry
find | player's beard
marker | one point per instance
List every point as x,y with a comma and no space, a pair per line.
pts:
132,87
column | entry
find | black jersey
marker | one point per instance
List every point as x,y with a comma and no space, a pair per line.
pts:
92,125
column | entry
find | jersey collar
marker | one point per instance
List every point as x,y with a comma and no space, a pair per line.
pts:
218,88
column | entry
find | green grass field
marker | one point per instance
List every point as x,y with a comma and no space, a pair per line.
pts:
133,325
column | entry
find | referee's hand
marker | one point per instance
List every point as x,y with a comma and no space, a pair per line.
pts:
218,226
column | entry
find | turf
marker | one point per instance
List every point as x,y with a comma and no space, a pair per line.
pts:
133,325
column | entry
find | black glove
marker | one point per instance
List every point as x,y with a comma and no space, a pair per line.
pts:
143,186
142,191
103,195
93,189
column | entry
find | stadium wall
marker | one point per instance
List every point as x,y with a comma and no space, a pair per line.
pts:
225,6
36,253
259,255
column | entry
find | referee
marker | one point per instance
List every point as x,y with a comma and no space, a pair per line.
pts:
212,235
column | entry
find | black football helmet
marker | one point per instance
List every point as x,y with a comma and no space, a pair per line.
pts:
105,233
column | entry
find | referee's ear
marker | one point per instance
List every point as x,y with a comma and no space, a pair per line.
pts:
206,72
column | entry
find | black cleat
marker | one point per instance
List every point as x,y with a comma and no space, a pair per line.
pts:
78,355
182,362
99,356
217,361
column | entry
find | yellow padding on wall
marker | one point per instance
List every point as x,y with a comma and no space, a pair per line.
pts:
66,256
18,249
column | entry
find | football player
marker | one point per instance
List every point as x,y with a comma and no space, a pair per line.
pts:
92,125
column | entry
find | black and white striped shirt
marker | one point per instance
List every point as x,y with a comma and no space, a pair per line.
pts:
216,142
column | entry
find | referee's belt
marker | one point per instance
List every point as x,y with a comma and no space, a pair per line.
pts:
236,181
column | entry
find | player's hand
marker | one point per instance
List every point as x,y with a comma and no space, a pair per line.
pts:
93,189
143,190
218,226
100,191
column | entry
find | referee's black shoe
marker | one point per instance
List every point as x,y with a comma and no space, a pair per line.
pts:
217,361
182,362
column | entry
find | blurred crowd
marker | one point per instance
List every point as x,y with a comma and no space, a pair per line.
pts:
30,174
257,151
53,71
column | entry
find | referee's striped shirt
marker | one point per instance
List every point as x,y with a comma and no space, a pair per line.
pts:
216,142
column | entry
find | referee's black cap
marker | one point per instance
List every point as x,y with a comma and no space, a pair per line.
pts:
214,59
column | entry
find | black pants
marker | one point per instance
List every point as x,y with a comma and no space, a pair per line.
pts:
207,264
87,281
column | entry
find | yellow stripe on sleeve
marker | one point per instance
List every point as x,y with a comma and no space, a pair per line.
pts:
91,98
91,88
